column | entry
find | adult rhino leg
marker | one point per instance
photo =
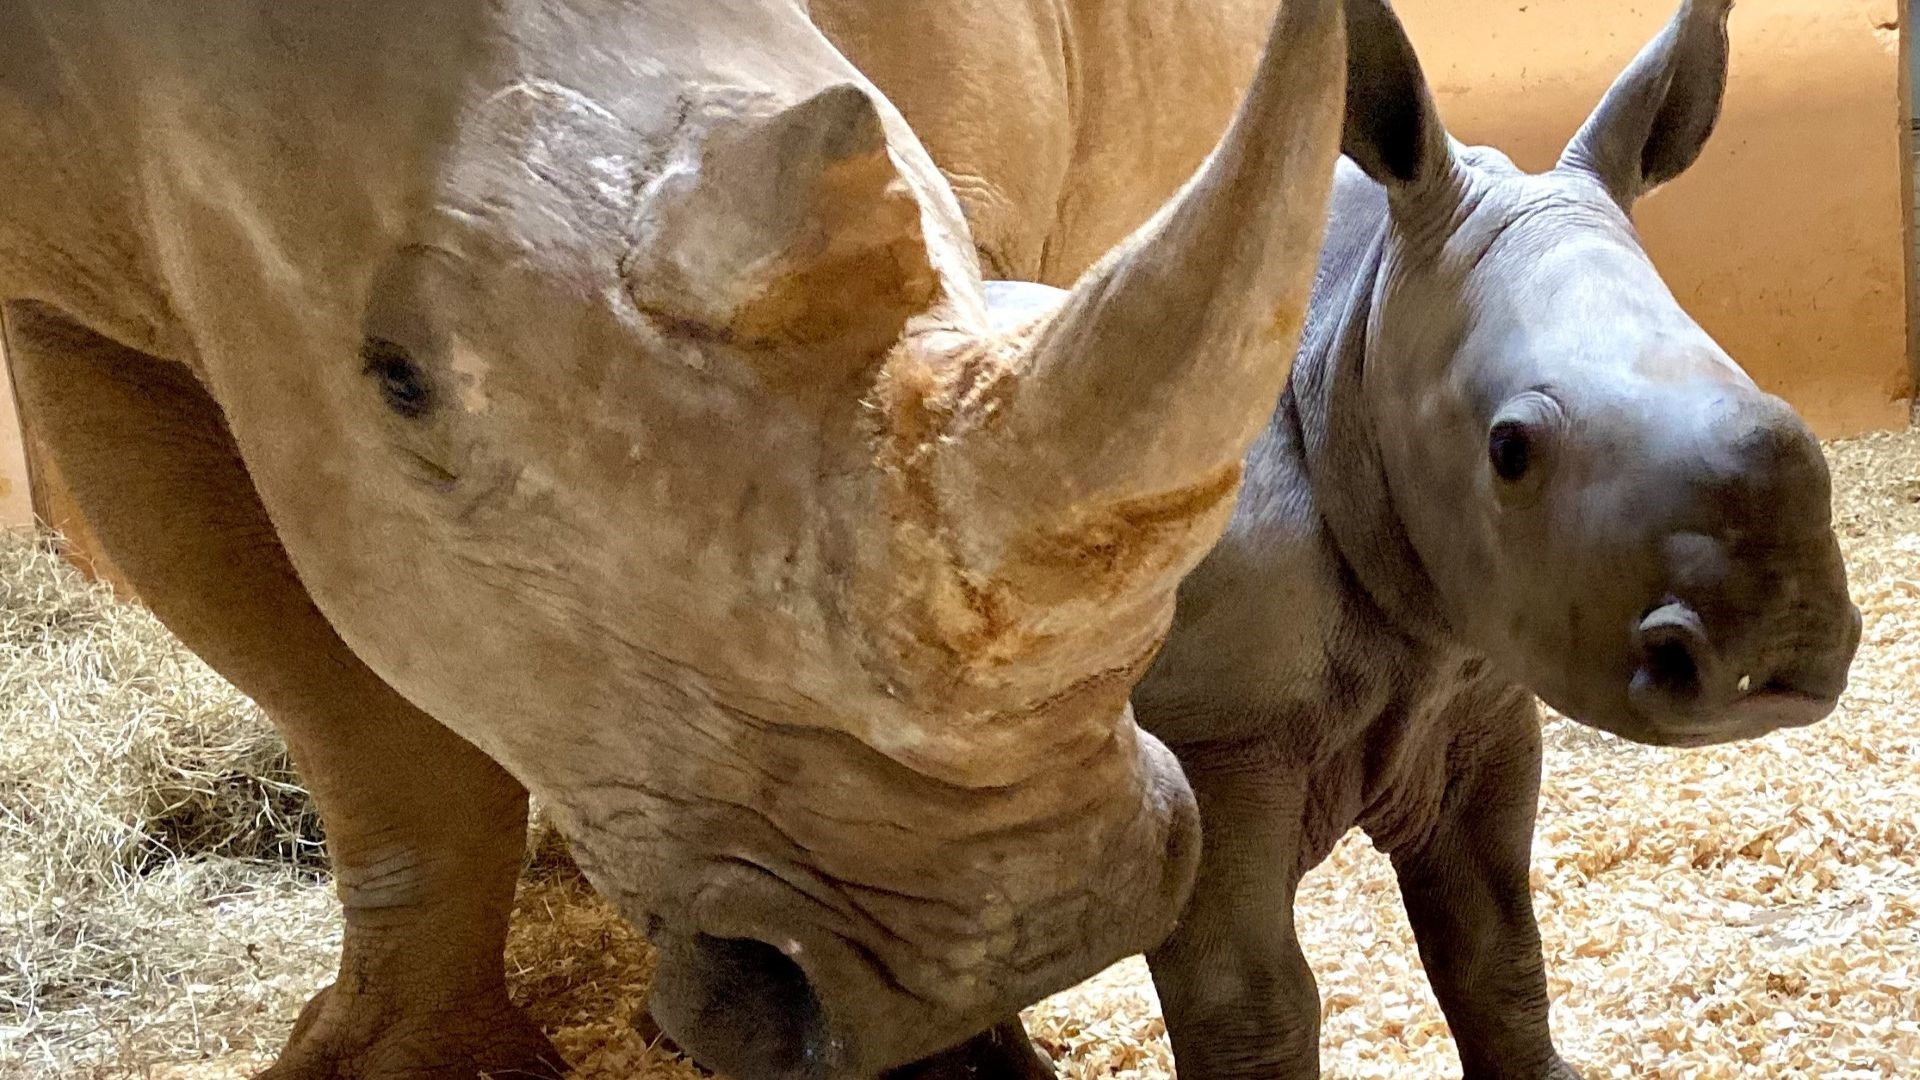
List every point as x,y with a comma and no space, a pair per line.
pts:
426,834
1466,890
1239,998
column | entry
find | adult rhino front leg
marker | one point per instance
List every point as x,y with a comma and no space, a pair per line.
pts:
425,833
1466,890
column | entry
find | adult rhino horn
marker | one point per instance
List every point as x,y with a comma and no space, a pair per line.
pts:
793,229
1137,397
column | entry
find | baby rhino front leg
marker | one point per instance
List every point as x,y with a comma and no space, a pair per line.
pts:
1239,998
1466,890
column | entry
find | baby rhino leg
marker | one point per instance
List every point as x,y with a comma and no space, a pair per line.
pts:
1466,890
1239,997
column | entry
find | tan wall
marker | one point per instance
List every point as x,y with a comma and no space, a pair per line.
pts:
1787,240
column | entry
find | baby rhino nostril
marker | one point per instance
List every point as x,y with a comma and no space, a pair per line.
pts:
1671,666
1674,658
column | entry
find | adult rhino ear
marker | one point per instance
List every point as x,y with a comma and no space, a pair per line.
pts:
794,229
1656,119
1391,130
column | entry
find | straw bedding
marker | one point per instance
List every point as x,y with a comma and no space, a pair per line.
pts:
1743,911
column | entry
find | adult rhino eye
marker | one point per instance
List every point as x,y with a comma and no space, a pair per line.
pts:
1509,449
402,383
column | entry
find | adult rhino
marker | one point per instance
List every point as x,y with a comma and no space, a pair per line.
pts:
602,398
1507,464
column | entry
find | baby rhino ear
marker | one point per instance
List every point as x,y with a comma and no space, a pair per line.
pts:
793,229
1655,121
1391,129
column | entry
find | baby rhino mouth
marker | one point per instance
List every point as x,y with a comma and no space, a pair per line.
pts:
1684,692
1748,716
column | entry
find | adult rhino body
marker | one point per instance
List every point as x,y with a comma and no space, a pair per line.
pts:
602,398
1507,464
1061,124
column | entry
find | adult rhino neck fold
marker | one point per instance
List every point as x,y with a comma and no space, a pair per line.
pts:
1327,402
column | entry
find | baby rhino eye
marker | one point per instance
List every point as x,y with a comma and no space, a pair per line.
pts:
1523,445
1509,451
402,383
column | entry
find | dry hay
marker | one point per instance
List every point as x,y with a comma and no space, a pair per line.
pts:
1743,911
160,870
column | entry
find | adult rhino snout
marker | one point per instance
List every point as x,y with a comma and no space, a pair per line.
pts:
1688,693
778,969
750,1005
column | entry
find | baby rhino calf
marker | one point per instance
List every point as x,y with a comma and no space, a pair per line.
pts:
1508,465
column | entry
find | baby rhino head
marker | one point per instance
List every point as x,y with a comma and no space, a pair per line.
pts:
1663,564
1605,503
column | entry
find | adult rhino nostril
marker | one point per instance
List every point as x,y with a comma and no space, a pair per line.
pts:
740,1007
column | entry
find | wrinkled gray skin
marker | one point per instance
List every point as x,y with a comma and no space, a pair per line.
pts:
1365,644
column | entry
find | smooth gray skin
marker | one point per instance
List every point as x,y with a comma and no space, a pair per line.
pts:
1365,644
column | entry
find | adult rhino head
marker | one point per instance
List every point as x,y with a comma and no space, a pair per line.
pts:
1576,478
619,380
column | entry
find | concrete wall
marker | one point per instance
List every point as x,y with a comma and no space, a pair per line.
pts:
1787,240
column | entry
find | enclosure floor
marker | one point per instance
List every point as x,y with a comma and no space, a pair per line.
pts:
1743,911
